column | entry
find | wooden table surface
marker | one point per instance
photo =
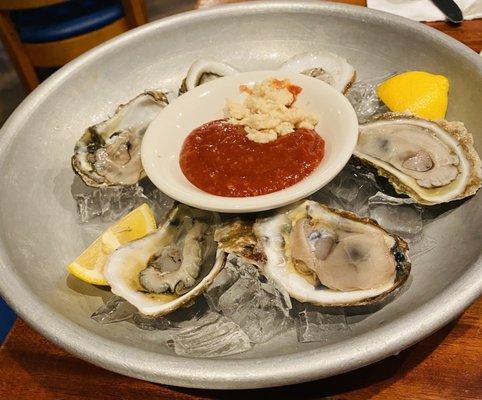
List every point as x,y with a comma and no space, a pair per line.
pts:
446,365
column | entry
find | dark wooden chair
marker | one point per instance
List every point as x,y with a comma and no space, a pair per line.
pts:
49,33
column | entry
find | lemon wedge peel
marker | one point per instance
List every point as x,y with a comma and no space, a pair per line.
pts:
89,265
418,92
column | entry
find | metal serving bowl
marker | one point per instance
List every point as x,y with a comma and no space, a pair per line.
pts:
40,233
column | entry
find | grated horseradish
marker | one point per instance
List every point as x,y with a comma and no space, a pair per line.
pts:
268,111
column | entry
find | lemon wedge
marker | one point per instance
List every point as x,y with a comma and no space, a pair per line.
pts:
419,92
89,266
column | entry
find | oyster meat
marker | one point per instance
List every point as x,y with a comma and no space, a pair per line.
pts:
433,162
108,154
323,65
204,70
170,267
323,256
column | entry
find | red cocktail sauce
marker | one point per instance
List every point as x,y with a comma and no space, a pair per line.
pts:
218,158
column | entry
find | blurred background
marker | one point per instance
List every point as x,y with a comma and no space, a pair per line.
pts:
39,36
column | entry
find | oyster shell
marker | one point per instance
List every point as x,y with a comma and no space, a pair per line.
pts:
237,237
170,267
323,65
204,70
322,256
108,153
433,162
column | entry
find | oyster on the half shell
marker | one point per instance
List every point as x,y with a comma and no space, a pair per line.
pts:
170,267
323,65
322,256
431,161
204,70
108,153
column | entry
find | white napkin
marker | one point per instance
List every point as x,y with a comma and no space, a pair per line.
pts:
425,10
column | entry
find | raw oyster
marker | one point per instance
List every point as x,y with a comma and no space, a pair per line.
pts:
325,257
323,65
205,70
433,162
108,153
170,267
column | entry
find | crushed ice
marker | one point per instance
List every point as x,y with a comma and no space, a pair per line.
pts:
242,307
116,309
317,325
109,204
213,335
364,99
349,190
240,293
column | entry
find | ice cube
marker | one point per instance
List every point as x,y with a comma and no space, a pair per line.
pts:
213,335
253,302
344,187
349,190
116,309
110,203
325,197
401,216
221,283
159,202
115,202
363,97
319,326
88,205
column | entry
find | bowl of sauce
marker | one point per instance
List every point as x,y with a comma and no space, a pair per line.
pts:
206,150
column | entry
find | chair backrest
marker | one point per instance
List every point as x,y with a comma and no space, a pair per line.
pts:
27,56
7,5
